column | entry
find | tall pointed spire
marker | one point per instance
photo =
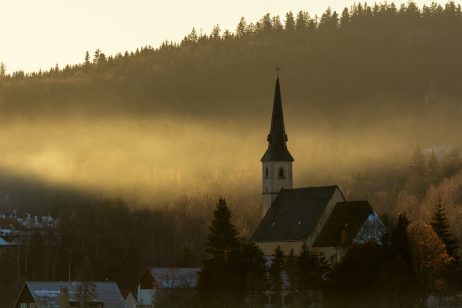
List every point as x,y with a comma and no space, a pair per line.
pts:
277,138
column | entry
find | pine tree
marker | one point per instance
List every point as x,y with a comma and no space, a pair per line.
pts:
257,279
87,58
221,280
291,267
313,270
187,256
96,56
2,70
441,227
275,274
400,242
290,22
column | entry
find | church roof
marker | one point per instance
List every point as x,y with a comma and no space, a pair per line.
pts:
344,223
294,214
277,138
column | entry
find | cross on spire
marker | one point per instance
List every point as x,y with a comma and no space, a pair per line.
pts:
277,69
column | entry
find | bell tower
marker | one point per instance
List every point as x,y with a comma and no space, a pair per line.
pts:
277,161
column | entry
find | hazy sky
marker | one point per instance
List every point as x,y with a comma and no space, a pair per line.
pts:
39,34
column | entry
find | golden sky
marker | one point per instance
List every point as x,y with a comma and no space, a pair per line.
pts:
40,34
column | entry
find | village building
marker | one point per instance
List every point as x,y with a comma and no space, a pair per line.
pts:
130,300
319,217
60,294
167,286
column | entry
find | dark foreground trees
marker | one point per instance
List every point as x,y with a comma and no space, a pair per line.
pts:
233,268
408,267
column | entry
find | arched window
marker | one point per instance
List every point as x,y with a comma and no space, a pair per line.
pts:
281,174
266,172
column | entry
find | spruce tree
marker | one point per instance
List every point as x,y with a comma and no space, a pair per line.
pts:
275,274
441,227
291,267
399,240
256,278
221,278
313,270
87,58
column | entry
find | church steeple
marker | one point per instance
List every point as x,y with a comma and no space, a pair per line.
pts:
277,137
277,161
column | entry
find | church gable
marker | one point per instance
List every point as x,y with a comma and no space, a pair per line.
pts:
295,214
350,222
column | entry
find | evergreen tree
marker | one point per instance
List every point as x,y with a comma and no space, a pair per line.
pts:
275,274
399,240
2,70
291,267
221,280
433,170
290,22
301,23
452,163
96,56
256,280
87,58
313,270
187,256
441,227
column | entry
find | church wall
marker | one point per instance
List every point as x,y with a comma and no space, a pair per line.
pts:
268,248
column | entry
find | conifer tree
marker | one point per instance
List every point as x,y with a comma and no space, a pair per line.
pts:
291,267
87,58
256,280
441,227
313,270
290,22
221,278
275,274
399,240
2,70
187,256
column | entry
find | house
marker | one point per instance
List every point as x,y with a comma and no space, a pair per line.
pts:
130,300
318,217
165,285
60,294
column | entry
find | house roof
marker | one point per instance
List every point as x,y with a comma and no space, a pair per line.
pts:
294,214
176,277
4,243
344,223
277,138
49,292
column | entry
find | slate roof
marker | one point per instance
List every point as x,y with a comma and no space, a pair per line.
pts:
344,223
49,292
294,214
176,277
277,138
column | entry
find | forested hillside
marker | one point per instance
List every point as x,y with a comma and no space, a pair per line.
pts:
360,59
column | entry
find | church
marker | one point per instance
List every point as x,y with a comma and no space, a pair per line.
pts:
320,217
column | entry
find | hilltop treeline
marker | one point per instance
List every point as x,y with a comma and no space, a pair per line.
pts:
405,56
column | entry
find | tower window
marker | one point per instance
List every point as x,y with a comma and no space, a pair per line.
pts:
281,174
266,172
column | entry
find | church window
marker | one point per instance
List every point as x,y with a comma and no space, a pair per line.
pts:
266,172
281,174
